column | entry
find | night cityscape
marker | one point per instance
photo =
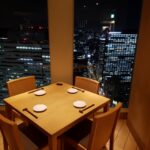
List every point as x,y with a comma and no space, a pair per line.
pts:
106,33
105,37
24,48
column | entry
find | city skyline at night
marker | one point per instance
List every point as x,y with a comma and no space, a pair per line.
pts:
25,23
106,57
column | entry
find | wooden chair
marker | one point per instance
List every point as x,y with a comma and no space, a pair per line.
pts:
87,84
18,86
21,137
93,135
21,85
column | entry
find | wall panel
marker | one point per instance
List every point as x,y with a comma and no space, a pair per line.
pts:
60,24
139,108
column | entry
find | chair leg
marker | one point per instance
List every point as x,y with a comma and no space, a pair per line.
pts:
111,146
5,143
104,148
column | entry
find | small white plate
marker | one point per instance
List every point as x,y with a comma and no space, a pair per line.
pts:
79,104
39,107
40,92
72,90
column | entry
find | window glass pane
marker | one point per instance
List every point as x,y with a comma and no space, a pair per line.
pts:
105,39
24,46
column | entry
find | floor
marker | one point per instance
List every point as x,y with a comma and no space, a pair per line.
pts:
123,138
1,142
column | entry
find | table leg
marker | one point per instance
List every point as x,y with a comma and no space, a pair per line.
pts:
52,143
106,107
8,111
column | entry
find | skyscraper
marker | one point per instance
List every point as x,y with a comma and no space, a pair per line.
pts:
118,65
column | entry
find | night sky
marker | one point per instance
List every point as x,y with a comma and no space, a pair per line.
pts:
13,12
18,11
127,12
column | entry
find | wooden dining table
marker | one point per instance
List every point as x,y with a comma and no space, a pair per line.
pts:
61,114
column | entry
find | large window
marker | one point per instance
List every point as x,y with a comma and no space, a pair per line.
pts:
24,46
105,36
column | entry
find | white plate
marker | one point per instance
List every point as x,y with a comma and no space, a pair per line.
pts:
72,90
39,107
79,104
40,92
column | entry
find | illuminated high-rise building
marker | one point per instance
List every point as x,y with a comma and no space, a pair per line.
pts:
118,65
28,55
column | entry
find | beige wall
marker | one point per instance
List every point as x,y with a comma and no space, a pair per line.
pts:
60,24
139,108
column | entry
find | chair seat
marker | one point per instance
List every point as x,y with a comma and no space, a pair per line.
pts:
93,135
79,134
27,144
39,139
22,137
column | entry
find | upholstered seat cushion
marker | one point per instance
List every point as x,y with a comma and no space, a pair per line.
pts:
79,133
39,139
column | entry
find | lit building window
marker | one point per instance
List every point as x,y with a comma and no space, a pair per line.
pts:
112,16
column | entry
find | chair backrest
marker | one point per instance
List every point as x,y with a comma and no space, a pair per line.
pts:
21,85
87,84
11,133
103,127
